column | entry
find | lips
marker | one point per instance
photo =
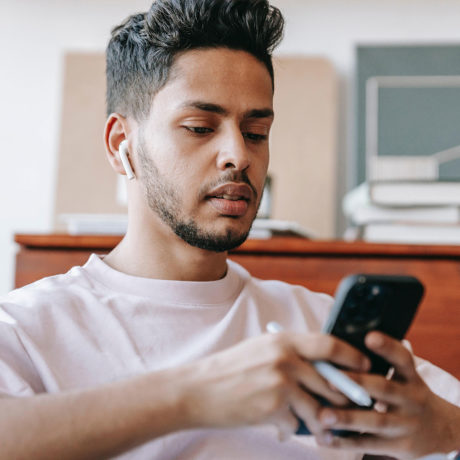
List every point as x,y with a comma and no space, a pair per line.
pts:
232,192
231,199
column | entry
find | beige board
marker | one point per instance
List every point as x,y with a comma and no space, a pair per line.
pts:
86,183
303,143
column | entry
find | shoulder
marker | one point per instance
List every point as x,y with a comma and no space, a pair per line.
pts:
38,299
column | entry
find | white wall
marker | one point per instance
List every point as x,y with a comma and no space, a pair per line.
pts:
35,34
33,38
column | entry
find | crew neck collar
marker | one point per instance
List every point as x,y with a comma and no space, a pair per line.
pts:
201,293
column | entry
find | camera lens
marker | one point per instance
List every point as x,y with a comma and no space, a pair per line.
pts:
359,292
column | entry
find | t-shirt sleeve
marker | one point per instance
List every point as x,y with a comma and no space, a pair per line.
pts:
439,381
18,376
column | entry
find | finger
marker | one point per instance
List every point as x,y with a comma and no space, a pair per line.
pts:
370,444
366,421
305,407
304,373
394,352
286,422
329,348
386,391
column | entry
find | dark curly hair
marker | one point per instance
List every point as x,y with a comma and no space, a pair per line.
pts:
142,49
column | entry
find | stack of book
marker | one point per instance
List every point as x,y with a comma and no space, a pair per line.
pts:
410,212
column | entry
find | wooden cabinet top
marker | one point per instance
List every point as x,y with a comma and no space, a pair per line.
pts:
275,245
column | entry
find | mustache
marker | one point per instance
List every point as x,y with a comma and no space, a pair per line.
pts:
230,176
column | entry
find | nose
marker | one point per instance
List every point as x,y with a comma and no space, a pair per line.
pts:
233,151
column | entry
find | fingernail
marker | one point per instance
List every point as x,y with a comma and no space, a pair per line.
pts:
326,439
374,340
283,436
328,418
366,365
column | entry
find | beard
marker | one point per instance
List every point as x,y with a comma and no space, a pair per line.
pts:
163,199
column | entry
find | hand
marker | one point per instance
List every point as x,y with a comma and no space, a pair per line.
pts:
416,421
260,379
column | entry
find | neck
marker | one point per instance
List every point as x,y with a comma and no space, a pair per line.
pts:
158,253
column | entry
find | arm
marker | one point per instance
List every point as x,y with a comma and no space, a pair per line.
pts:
96,423
416,422
250,383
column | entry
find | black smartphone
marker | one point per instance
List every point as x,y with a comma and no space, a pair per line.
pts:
363,303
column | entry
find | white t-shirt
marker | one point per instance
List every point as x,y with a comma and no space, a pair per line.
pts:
95,325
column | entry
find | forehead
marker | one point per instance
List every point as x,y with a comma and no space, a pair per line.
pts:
230,78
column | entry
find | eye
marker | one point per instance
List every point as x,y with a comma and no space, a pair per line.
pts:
198,129
255,137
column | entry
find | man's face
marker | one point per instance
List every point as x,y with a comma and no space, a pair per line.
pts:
203,150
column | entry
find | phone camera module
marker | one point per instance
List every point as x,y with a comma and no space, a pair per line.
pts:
359,292
364,306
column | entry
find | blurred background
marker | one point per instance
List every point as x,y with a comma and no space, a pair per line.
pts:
50,121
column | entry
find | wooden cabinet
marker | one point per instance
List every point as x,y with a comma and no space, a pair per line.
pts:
318,265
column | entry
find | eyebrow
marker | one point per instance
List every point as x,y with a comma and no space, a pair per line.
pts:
215,108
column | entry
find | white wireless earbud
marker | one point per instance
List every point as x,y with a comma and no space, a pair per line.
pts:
123,151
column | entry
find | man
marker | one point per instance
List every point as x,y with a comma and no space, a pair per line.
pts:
158,350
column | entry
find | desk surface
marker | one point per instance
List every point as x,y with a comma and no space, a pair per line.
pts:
317,265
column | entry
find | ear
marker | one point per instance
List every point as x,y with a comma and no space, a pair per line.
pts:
117,130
